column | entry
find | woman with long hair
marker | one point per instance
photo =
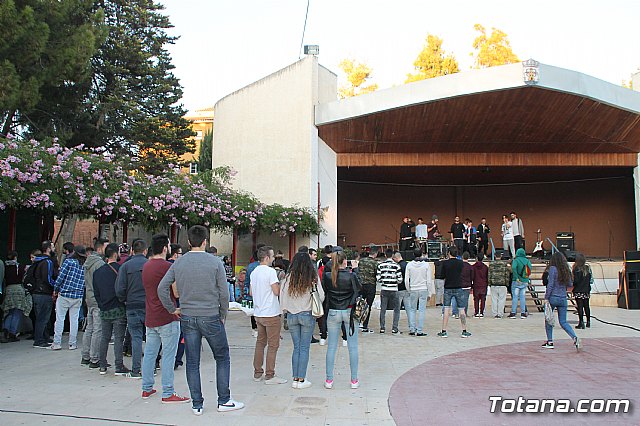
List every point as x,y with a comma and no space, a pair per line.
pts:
342,288
556,295
582,278
295,301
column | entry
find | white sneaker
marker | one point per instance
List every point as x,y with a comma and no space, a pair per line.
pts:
55,347
257,379
275,380
254,333
73,347
344,343
294,384
304,384
323,342
231,405
355,384
197,411
328,384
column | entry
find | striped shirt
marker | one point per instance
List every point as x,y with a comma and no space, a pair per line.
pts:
70,282
389,275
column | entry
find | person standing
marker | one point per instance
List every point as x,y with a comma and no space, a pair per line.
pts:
556,296
483,237
457,234
406,234
467,282
517,231
265,289
582,280
40,280
507,236
432,229
17,302
253,264
92,337
420,285
162,327
130,291
367,269
389,276
112,311
342,288
404,295
437,265
68,292
480,283
452,271
521,268
499,280
295,301
201,285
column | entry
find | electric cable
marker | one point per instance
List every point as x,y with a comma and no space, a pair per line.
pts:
304,28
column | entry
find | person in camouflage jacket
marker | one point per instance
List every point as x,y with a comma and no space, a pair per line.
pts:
499,280
367,268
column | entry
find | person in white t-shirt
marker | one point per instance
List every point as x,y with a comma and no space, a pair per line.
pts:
507,236
265,289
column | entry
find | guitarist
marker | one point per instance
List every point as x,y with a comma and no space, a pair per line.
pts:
483,236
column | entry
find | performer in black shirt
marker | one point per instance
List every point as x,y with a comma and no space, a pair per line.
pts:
406,235
432,229
483,237
457,234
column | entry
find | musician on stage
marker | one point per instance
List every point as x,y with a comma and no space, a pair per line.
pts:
406,234
422,234
518,231
432,229
457,234
483,237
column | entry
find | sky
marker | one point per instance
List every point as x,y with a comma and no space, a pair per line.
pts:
225,45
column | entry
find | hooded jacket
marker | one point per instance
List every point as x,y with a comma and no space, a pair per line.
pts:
480,278
91,265
518,266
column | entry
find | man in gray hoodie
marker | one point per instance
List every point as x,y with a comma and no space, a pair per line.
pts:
130,291
199,280
93,330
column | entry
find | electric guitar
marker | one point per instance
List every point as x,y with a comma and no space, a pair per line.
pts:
539,250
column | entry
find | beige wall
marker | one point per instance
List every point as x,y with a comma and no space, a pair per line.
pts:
266,132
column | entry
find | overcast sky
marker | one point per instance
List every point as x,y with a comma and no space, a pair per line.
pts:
226,44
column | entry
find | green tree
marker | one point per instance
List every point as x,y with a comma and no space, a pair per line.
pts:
205,157
492,50
45,52
433,61
357,73
133,104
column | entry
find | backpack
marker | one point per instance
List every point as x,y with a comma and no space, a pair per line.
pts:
526,271
29,282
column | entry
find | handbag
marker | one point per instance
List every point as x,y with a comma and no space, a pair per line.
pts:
317,310
548,314
360,308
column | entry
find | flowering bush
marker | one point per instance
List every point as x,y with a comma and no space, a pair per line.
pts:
53,179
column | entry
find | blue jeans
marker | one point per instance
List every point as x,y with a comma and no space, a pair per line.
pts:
12,320
135,325
559,303
518,292
454,306
212,329
301,327
168,336
335,319
419,302
42,306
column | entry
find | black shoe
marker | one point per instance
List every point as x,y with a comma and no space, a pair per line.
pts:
314,340
411,333
94,365
42,345
580,326
85,361
13,338
421,334
3,339
588,324
122,371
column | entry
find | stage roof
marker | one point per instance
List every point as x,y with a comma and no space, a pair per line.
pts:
491,110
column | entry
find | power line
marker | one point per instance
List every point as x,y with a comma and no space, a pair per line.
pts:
304,29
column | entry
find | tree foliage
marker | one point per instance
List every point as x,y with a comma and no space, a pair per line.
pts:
357,73
433,61
205,159
45,52
492,50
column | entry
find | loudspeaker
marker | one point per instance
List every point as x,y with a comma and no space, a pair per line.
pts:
499,253
408,255
632,261
565,241
631,290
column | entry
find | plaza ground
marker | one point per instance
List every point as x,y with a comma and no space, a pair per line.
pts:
405,380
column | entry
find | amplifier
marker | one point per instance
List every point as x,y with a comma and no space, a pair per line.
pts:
632,256
564,235
565,241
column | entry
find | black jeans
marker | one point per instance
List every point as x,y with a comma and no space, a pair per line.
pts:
117,328
483,246
369,293
42,305
518,242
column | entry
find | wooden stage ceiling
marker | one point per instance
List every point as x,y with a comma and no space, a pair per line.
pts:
531,122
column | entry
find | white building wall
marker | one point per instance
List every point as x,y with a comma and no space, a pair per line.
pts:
266,132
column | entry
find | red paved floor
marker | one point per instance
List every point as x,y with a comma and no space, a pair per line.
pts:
456,388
